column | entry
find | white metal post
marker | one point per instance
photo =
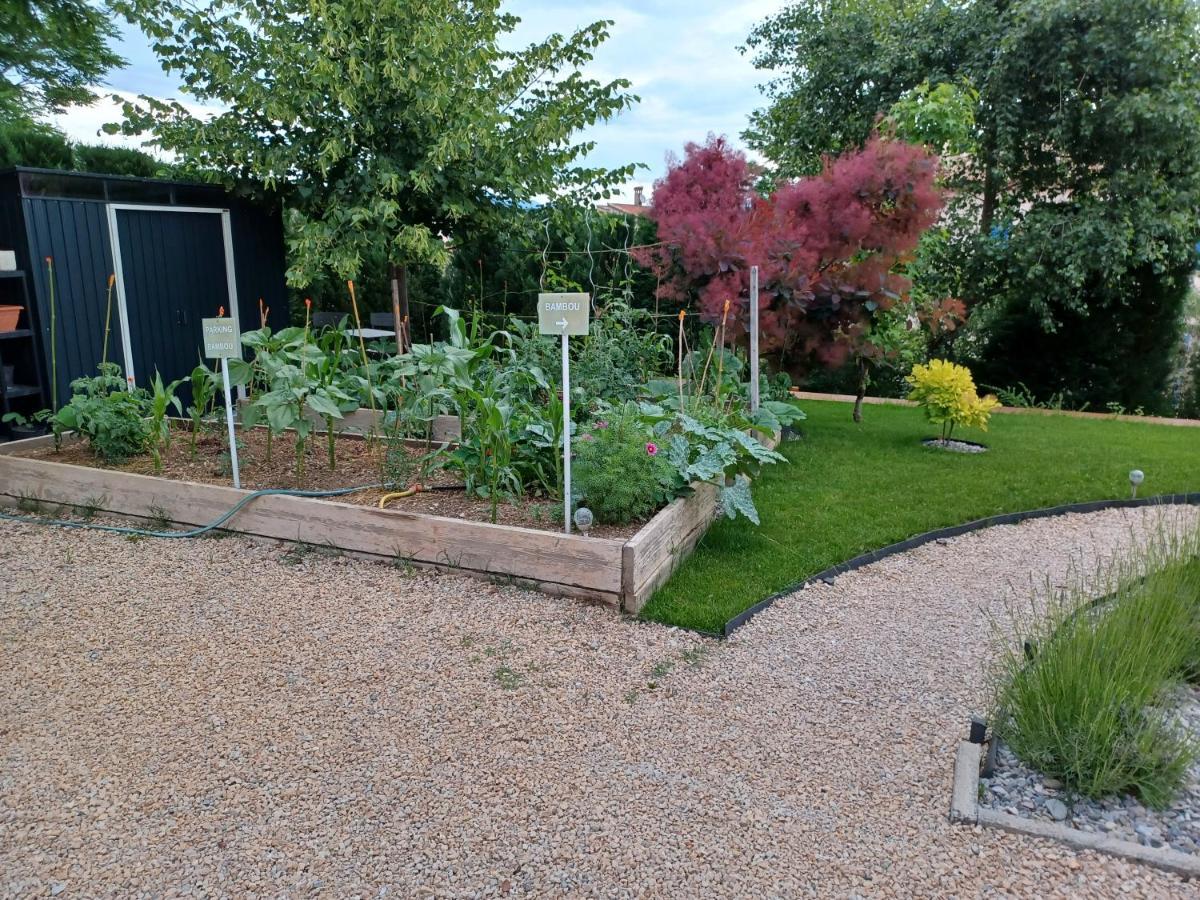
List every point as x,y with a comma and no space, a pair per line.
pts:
754,338
233,460
566,389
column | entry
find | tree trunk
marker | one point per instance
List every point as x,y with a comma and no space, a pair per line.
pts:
863,379
398,275
987,209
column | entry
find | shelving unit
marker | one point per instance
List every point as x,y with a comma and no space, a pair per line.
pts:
18,349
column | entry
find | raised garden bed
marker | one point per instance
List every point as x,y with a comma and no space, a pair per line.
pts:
619,571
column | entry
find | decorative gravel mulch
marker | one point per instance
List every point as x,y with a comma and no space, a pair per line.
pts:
358,462
209,718
1021,791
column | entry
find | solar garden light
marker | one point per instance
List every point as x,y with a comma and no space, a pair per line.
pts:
583,519
978,730
1136,477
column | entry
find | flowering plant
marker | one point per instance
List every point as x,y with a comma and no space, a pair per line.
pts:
620,474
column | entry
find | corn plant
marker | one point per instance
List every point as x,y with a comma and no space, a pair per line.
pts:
162,400
205,383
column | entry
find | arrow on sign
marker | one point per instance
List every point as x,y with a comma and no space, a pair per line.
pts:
562,323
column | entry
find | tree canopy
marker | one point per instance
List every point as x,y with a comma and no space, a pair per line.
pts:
1079,199
827,246
50,52
390,126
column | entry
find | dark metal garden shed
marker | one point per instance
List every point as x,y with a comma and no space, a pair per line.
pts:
179,252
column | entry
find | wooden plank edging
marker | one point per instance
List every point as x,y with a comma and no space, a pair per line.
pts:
568,564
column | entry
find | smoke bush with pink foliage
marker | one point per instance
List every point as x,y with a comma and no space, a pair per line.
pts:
826,246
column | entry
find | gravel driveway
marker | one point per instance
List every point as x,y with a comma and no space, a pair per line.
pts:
216,718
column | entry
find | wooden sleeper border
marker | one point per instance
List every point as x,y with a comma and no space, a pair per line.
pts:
965,809
620,574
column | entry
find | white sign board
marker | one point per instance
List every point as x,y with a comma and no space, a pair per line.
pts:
221,339
564,313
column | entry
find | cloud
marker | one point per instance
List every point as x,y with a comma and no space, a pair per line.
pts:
681,58
85,123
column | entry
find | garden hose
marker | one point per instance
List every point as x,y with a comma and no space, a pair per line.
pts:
417,489
398,495
195,532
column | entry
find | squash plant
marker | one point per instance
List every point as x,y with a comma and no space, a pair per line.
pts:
289,368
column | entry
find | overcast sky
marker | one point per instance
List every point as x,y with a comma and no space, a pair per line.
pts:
681,56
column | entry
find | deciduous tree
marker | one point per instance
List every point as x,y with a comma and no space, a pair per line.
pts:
390,126
50,52
828,247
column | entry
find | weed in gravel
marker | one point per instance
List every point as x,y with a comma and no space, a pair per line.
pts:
661,669
631,696
296,554
693,656
402,562
507,678
160,519
29,503
502,651
88,508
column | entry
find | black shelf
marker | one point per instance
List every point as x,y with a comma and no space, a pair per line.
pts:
19,354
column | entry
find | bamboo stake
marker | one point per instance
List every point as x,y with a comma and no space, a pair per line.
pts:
679,359
112,280
362,348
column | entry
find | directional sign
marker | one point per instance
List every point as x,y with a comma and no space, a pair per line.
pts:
221,339
564,313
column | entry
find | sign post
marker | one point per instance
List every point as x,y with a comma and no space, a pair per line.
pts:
754,339
222,341
565,315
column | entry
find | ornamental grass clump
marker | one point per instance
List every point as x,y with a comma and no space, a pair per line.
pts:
1083,694
947,393
621,474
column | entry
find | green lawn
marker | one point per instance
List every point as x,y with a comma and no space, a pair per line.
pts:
853,488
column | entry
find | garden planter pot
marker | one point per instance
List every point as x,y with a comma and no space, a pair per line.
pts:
9,317
30,430
954,445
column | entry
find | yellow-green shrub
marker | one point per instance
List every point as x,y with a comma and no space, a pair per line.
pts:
947,393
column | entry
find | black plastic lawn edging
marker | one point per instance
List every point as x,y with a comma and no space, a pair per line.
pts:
865,559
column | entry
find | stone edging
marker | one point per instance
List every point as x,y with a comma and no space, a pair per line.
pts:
965,808
874,556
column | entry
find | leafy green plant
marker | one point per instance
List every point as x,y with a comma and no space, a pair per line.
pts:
205,383
112,418
1081,693
620,473
162,400
484,455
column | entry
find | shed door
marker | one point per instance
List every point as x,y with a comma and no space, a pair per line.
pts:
173,270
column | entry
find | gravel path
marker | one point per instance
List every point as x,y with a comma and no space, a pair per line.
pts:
205,718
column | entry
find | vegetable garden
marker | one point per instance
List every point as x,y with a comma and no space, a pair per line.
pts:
469,427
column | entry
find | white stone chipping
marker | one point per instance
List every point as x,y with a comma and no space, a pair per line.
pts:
201,717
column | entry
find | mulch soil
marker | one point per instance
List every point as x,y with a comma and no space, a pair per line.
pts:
358,462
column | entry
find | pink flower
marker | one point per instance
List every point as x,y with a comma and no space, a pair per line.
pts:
651,449
601,424
586,437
